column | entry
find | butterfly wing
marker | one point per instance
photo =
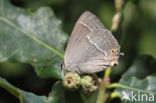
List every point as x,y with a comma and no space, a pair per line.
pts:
101,57
88,45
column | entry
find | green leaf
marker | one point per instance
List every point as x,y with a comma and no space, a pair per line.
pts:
56,95
137,90
33,38
141,67
132,84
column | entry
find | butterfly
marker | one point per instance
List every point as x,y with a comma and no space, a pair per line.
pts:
91,47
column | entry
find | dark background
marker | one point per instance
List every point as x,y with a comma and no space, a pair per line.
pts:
138,37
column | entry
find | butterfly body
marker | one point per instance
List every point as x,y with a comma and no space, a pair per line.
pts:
91,47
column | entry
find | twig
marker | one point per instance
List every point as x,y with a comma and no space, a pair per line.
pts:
107,73
102,95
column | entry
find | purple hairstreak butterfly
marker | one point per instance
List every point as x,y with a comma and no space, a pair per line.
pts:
91,47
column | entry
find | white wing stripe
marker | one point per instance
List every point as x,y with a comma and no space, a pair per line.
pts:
96,45
86,25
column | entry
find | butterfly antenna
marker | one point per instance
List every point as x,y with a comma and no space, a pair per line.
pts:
122,54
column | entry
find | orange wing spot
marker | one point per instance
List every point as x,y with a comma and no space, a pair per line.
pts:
112,63
113,51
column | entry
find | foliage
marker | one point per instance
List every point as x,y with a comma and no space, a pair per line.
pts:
32,36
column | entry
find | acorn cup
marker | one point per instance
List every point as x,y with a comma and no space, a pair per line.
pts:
89,83
72,80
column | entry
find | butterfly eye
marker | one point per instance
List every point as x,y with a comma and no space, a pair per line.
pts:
113,51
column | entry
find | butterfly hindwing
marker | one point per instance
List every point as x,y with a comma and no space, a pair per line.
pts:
89,46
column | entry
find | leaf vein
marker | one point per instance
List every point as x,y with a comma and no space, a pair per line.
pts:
33,37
